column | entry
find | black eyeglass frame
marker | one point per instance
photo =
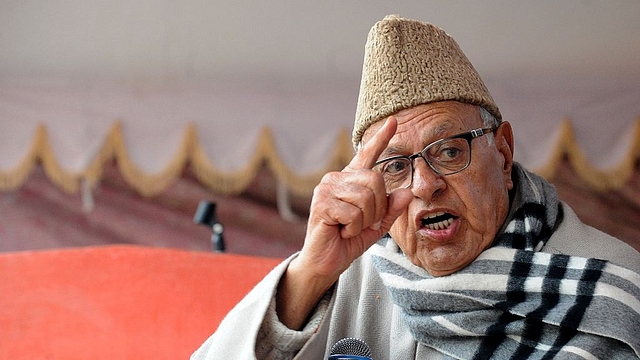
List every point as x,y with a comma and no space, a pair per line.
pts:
468,135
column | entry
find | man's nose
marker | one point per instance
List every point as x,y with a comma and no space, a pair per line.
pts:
426,183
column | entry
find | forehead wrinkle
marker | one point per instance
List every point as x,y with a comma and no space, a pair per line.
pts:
441,131
426,137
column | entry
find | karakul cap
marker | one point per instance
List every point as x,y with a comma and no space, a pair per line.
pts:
408,63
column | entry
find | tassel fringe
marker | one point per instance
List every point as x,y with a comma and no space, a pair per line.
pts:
190,152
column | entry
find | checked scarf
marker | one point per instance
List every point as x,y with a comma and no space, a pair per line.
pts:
514,302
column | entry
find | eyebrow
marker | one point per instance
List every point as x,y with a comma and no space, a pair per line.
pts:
437,134
439,131
389,152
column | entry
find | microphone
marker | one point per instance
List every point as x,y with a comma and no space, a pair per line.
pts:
350,348
206,215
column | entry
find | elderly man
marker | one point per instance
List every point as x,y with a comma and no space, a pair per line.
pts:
433,242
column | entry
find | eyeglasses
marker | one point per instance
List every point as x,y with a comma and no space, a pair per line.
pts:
445,157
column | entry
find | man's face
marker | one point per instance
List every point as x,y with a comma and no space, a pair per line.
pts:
452,218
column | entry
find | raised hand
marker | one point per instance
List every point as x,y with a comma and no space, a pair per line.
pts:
350,211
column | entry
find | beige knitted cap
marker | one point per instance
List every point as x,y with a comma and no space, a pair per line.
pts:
408,63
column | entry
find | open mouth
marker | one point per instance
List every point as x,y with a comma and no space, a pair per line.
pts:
438,221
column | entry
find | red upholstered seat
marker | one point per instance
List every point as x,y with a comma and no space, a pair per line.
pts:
117,302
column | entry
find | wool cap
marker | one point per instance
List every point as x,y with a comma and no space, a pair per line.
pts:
408,63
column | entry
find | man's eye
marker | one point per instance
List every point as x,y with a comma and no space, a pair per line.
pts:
396,166
449,153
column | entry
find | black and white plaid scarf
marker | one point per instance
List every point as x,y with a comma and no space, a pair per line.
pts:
514,302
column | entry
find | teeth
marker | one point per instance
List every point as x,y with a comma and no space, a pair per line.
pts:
435,215
440,225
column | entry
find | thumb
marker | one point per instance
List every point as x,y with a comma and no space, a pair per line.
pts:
398,202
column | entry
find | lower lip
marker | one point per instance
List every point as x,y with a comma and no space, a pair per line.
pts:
443,235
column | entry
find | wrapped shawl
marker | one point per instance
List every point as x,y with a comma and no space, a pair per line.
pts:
516,302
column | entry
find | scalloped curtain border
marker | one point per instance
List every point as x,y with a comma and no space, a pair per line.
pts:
191,153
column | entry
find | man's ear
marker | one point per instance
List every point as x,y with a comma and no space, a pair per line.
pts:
504,144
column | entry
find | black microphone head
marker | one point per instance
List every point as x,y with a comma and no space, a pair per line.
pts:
205,214
350,348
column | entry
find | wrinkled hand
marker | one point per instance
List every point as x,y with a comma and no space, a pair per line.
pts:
351,210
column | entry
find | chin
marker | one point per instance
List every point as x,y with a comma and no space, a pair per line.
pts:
439,273
443,265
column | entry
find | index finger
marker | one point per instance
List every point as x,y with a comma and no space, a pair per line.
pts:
368,154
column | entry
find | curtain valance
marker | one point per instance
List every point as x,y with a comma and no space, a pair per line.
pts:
226,129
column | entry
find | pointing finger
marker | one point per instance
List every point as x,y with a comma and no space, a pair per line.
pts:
368,154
